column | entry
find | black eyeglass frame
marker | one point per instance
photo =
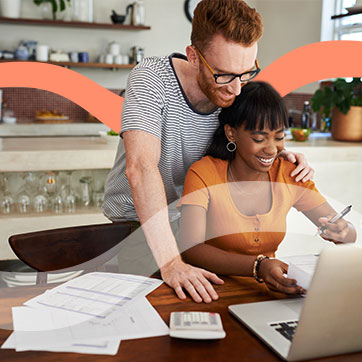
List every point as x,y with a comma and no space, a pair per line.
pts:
253,73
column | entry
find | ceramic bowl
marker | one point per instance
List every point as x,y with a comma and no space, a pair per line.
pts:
108,139
300,134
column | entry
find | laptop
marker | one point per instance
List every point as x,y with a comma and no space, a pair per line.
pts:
327,322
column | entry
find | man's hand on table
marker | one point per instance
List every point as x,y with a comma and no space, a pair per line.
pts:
303,172
179,275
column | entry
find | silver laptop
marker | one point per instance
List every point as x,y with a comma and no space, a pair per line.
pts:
328,321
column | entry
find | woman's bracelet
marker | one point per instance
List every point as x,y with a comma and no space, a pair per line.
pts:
256,267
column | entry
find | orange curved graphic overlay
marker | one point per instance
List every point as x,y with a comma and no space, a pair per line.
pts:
91,96
299,67
313,62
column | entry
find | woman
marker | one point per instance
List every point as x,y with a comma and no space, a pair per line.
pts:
236,198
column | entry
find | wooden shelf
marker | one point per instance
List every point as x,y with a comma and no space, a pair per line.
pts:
72,24
78,65
350,13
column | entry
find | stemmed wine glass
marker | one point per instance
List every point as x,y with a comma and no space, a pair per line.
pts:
68,195
51,186
6,200
23,196
41,200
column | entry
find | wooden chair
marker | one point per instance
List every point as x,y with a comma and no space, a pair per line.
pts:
68,249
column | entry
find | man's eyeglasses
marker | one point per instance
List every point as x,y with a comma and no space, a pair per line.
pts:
228,78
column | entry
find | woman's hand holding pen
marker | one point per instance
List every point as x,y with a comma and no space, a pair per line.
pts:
272,272
336,231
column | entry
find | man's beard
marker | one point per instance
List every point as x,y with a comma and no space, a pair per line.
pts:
213,93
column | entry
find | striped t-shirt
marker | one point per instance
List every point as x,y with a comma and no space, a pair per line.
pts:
155,103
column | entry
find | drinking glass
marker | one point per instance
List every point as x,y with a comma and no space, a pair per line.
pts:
23,197
32,183
68,195
41,200
52,187
6,200
98,198
86,188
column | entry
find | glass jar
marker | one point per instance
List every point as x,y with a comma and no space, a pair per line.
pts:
86,186
46,11
83,10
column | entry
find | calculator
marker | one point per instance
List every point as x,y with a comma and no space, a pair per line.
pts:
196,325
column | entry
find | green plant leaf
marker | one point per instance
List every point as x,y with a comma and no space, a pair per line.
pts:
62,5
342,95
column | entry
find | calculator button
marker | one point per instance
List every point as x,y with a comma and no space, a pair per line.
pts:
213,319
196,325
177,319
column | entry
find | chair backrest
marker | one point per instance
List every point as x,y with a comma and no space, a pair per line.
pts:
73,248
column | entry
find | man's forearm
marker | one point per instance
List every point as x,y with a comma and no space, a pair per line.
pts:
151,206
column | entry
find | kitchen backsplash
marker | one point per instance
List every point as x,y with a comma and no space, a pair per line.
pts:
295,102
24,102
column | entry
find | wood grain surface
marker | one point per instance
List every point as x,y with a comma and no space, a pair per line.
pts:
239,345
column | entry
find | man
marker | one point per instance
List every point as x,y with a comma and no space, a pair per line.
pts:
169,116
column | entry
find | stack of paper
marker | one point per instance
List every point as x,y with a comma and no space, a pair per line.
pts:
301,268
89,314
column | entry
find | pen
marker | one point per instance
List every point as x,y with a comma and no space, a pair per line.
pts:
335,218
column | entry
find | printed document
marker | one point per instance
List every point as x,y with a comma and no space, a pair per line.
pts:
89,314
301,268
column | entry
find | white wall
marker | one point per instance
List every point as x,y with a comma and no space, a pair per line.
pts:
170,31
288,24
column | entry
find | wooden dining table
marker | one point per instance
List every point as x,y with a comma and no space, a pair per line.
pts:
239,344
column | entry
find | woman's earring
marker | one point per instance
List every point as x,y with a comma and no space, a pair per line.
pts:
231,146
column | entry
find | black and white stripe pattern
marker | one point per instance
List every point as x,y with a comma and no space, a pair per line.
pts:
156,104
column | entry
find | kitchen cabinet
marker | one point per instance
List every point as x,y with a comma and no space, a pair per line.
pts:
51,154
338,176
55,153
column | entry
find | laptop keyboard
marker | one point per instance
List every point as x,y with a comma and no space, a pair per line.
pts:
286,329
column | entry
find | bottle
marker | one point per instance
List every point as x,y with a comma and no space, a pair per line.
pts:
306,116
141,12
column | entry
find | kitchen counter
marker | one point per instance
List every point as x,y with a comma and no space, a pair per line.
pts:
56,153
50,130
321,147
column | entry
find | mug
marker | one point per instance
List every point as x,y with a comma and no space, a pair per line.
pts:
83,57
74,57
109,59
114,48
118,59
42,53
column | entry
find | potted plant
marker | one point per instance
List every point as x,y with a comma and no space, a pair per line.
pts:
342,102
55,5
